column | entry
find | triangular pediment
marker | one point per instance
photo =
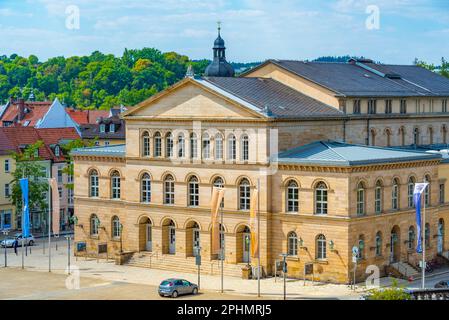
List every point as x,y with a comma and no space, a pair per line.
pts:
190,99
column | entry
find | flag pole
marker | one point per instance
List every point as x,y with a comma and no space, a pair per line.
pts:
221,245
23,221
258,237
423,233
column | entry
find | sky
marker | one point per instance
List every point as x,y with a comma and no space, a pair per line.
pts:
390,31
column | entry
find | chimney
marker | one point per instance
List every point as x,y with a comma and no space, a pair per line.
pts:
21,106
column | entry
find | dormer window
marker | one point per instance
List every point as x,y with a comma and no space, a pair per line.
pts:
102,128
112,128
36,153
57,151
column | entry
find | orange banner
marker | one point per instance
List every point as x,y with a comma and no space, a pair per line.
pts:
55,217
253,222
217,197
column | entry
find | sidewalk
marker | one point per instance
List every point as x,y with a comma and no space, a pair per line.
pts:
111,272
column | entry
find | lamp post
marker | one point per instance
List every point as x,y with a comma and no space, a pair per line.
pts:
6,232
284,271
68,252
121,238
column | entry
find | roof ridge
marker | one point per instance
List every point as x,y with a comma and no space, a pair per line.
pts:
332,149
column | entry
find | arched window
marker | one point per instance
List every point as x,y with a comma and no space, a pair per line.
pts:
181,146
169,145
169,190
416,136
232,152
116,227
373,137
360,199
193,146
145,187
402,135
244,195
444,133
321,253
206,146
410,189
157,145
378,195
292,197
146,144
388,133
115,185
93,184
361,246
57,151
427,235
395,195
218,146
219,183
292,244
411,238
245,148
94,225
427,191
378,244
194,194
321,198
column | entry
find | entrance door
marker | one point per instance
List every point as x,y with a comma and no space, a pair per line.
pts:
394,247
246,247
172,240
196,242
440,246
148,238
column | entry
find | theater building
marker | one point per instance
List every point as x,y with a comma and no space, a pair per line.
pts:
332,173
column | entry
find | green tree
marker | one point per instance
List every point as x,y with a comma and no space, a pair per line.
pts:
392,293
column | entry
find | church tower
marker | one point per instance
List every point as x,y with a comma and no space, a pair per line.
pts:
219,66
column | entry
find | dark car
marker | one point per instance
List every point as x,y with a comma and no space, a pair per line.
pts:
176,287
442,284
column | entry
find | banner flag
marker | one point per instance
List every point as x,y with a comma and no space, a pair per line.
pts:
55,216
24,186
217,197
253,214
419,189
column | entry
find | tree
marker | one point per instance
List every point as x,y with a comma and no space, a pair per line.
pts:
28,166
392,293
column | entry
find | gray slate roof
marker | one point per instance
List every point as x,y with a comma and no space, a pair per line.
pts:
282,101
355,81
342,154
114,150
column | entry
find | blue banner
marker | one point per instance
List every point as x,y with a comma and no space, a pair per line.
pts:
26,210
419,189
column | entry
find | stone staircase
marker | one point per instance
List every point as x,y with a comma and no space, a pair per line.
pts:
183,264
406,270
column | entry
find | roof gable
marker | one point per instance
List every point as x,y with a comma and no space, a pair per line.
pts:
56,117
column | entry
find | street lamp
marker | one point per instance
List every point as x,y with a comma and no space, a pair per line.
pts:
121,235
5,233
284,271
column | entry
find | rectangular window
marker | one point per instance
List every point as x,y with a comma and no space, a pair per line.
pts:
444,106
70,195
372,106
378,200
403,108
7,166
388,106
60,192
7,190
112,128
60,175
102,128
442,193
356,107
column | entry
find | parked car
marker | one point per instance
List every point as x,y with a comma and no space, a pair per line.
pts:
442,284
9,243
176,287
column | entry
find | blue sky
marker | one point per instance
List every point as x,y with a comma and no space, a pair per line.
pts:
254,30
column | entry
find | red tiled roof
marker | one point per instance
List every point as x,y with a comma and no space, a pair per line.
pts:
87,116
37,109
95,114
11,138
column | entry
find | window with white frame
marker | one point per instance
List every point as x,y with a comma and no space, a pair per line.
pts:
321,253
157,145
360,199
206,146
57,151
60,174
232,151
321,198
378,244
395,195
194,194
427,191
410,189
70,195
112,128
145,187
292,244
93,184
7,190
169,190
245,148
146,144
292,197
181,146
219,183
444,105
115,185
244,195
7,165
116,227
169,145
94,225
102,128
218,147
